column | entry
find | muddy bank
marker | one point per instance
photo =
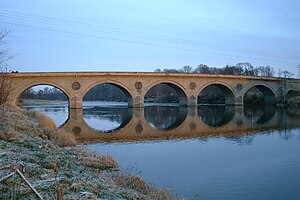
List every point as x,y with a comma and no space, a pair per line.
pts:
28,138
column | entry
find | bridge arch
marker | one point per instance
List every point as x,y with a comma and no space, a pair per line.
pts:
19,92
269,95
174,85
117,84
228,97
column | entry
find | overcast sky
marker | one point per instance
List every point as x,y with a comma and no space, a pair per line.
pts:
135,35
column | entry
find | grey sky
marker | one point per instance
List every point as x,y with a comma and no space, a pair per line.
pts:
137,35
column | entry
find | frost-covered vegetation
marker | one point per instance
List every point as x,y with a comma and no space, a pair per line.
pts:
53,163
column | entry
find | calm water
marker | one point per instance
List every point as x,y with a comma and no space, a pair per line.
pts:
202,153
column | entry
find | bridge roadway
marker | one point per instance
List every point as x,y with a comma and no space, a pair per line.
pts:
190,126
136,84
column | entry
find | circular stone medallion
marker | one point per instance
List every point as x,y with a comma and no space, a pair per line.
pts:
76,86
76,130
138,85
239,86
192,85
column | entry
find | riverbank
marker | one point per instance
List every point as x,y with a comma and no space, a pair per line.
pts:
52,162
35,102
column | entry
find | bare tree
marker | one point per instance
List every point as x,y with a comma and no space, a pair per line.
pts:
265,71
186,69
285,74
5,83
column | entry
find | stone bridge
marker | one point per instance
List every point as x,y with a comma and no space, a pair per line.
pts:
136,84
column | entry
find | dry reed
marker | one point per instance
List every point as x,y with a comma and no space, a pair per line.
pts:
137,183
63,138
45,121
96,160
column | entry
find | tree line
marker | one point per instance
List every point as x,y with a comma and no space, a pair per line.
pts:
48,93
243,68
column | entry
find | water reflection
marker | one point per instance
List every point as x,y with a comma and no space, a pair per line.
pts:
57,112
197,150
260,114
107,119
165,117
155,122
216,116
171,122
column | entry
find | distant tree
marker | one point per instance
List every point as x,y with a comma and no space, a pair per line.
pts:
237,70
158,70
171,71
265,71
202,69
46,90
285,74
28,94
228,70
186,69
105,92
247,68
244,68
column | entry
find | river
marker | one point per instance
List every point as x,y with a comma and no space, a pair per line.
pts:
220,152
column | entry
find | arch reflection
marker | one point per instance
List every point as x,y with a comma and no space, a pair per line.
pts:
216,116
139,128
165,117
259,114
107,118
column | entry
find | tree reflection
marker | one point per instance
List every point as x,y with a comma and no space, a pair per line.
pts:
107,119
165,117
216,116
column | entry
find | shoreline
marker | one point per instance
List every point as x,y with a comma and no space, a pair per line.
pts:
28,137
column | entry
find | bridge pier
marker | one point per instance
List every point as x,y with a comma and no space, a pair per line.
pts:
191,101
136,102
75,103
234,101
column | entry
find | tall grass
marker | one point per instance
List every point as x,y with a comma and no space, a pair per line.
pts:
43,120
60,137
63,138
96,160
135,182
